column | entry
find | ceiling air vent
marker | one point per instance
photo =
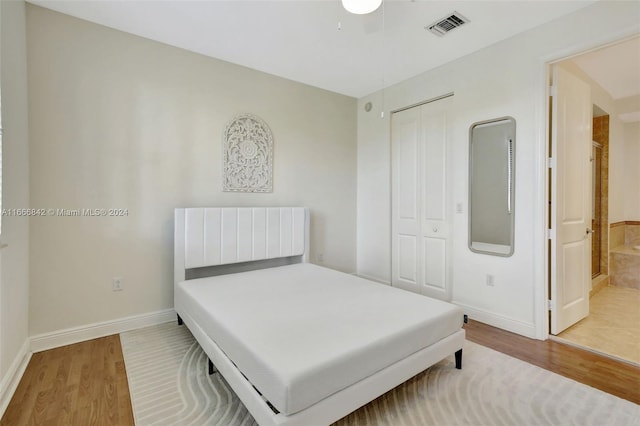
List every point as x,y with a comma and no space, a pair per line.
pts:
443,26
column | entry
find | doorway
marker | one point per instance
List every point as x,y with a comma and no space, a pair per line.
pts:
609,327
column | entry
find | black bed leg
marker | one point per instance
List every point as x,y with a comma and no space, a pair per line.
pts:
212,368
459,359
180,320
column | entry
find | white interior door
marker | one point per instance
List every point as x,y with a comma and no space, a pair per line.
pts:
406,176
420,230
571,136
434,227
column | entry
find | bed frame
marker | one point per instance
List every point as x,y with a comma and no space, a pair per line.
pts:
241,237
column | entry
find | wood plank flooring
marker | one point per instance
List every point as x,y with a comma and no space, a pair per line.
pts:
80,384
86,383
607,374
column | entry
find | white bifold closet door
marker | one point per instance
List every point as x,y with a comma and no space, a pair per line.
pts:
420,226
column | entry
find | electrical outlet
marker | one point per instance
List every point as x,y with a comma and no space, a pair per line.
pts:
459,208
491,280
320,257
116,284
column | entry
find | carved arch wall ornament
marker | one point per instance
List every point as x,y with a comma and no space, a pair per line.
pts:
247,156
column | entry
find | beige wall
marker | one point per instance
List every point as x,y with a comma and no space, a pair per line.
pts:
622,169
625,163
14,275
631,183
118,121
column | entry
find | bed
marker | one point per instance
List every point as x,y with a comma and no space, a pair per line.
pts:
299,344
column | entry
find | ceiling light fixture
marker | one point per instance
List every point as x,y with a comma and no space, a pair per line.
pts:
361,7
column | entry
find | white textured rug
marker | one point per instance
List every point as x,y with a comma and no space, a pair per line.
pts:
169,385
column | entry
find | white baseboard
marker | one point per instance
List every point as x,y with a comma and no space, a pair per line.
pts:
370,278
10,381
69,336
499,321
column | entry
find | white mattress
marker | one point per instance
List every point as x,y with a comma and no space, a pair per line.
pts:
300,333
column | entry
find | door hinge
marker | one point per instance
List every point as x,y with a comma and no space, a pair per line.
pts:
551,305
551,162
553,90
551,234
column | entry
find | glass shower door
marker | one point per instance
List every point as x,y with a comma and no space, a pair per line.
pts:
596,216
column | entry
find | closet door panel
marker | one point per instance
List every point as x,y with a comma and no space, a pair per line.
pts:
406,175
435,265
407,169
407,262
434,226
420,228
434,160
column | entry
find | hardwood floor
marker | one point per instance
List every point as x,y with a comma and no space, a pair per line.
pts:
81,384
86,383
607,374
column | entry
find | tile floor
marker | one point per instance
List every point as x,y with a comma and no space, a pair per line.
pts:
613,324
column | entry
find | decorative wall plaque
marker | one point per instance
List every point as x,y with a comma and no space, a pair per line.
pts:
247,155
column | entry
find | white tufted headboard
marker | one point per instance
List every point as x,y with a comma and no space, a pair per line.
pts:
220,236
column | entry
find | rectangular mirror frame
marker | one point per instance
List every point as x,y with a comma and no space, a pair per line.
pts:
492,146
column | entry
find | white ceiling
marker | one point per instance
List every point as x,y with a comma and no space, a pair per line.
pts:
616,68
300,40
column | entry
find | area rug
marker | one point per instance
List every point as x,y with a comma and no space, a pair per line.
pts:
169,385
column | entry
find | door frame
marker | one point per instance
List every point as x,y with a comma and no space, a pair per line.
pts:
541,219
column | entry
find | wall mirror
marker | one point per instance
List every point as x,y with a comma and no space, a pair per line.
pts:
492,145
